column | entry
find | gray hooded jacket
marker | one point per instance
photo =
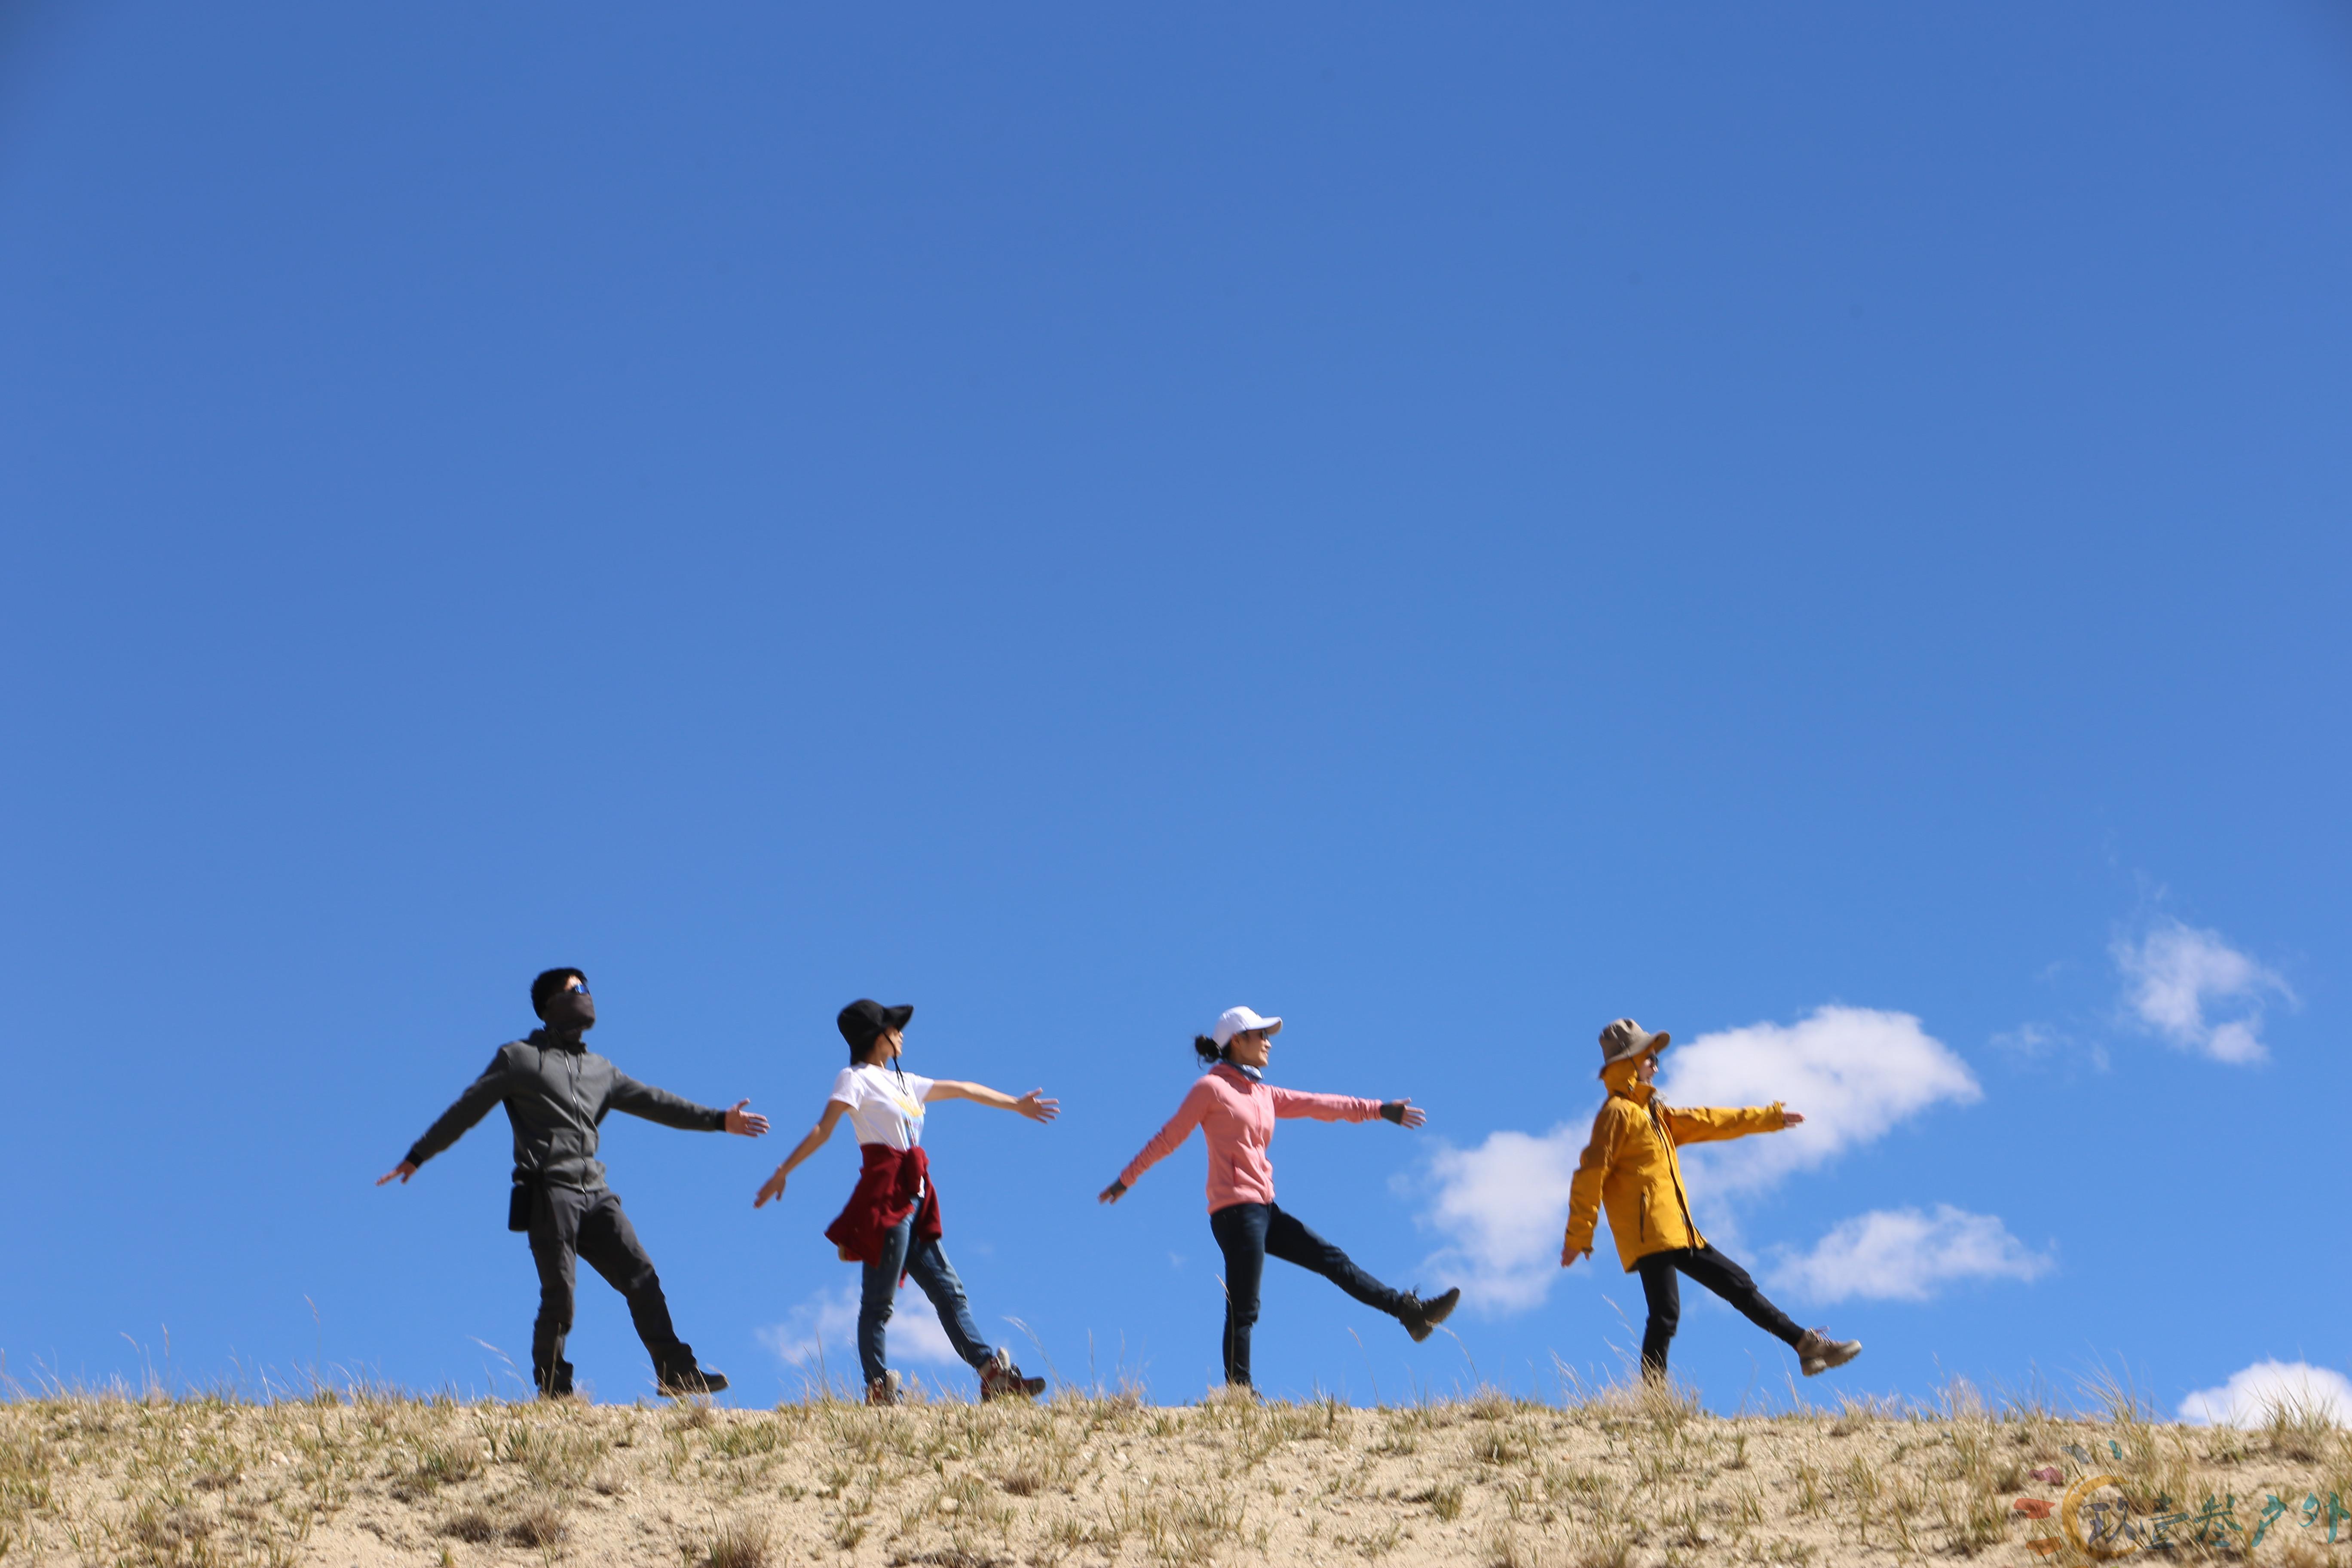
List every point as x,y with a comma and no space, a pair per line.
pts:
556,1092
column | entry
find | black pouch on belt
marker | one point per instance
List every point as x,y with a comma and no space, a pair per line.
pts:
519,1205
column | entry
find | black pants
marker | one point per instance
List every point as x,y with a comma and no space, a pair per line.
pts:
1718,1274
1247,1232
566,1223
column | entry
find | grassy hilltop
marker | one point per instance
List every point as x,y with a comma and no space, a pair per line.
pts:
1629,1477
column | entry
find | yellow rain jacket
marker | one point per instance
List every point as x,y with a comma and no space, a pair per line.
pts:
1629,1167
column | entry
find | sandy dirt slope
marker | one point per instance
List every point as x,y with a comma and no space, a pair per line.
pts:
1627,1478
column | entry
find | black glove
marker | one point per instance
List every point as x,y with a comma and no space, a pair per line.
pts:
1392,1111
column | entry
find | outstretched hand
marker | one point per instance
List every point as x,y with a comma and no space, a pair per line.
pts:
403,1171
1408,1114
1111,1194
745,1124
1036,1106
1790,1119
773,1187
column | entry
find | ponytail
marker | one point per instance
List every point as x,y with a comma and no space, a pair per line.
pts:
1208,1050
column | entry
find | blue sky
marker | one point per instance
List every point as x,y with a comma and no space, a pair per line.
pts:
1823,531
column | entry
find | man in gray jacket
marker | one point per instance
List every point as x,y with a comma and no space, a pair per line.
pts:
556,1092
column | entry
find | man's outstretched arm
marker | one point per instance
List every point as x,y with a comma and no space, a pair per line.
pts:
675,1110
456,1122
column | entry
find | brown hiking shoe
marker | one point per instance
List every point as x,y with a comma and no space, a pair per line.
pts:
1817,1352
1000,1379
1421,1318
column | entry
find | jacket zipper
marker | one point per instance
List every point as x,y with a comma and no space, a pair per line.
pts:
1673,1173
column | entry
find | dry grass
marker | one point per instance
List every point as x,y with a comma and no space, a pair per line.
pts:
738,1545
1630,1477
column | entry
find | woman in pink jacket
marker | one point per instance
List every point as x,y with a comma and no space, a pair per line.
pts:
1235,1109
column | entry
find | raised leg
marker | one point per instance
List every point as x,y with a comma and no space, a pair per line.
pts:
1730,1281
609,1242
926,1263
1292,1242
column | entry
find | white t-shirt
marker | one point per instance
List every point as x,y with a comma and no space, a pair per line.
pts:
883,1107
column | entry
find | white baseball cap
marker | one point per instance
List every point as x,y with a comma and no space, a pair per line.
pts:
1237,1020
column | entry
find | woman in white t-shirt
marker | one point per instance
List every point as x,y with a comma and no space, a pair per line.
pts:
891,1224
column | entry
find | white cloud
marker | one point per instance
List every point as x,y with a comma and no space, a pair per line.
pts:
1903,1254
1504,1203
2029,1039
2251,1395
1855,1073
827,1323
2176,973
2034,1042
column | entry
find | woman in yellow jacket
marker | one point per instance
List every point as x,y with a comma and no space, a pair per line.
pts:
1631,1169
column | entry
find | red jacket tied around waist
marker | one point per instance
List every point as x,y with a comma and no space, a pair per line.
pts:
896,1183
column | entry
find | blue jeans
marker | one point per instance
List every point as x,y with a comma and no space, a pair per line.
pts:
927,1265
1246,1233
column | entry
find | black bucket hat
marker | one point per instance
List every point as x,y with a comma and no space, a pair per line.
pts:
862,1022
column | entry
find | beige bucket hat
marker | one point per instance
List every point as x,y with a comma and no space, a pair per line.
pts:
1626,1039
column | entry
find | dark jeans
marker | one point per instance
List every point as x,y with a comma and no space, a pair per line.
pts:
928,1266
1247,1232
566,1223
1718,1274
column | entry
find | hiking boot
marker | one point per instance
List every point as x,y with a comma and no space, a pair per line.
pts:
689,1381
1419,1317
1000,1379
1817,1352
886,1390
553,1381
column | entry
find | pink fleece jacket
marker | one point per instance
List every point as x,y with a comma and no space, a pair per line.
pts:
1237,1118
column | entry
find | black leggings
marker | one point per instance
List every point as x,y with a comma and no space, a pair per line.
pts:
1718,1274
1247,1232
